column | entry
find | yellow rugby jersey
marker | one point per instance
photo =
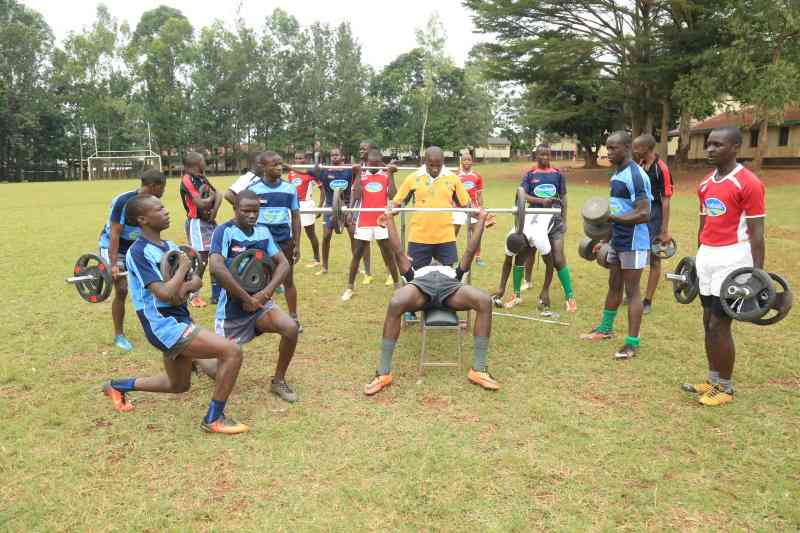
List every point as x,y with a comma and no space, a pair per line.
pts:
432,228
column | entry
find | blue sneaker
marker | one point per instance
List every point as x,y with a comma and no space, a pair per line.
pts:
121,342
480,262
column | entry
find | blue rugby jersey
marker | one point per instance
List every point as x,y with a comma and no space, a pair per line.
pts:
117,214
545,183
277,203
341,179
163,322
629,185
229,241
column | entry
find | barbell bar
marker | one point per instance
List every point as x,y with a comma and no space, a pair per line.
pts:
346,167
530,210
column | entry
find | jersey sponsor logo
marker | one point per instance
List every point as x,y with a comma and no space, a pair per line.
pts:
469,184
339,185
617,206
545,190
274,215
373,186
297,182
238,248
715,207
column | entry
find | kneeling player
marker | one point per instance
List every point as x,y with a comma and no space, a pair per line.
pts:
431,287
161,307
241,316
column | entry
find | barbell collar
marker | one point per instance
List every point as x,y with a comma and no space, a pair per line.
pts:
676,277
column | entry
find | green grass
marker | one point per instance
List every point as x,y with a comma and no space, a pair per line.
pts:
573,441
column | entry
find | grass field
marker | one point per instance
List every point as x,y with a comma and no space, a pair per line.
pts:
573,441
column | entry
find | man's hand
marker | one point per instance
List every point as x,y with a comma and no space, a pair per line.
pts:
184,262
356,169
664,237
115,273
251,304
296,253
597,246
487,218
391,168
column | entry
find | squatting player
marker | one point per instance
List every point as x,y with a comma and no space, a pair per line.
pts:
630,243
730,236
436,286
161,307
115,239
241,316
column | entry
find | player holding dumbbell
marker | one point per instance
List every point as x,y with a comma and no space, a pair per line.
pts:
730,236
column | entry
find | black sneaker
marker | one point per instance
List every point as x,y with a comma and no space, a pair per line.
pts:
626,352
282,390
646,308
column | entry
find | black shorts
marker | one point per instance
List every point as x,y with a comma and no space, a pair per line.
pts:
557,229
422,254
656,220
437,287
713,304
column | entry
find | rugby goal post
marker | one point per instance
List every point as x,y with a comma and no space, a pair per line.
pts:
116,164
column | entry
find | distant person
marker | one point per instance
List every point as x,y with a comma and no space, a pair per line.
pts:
473,183
304,182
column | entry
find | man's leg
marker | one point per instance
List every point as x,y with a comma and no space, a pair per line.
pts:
501,288
276,321
713,374
468,297
559,264
631,278
358,251
529,270
652,282
327,233
389,261
118,313
721,356
405,299
311,233
613,300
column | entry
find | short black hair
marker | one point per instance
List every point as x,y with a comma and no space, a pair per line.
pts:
135,207
646,139
153,176
433,150
246,194
261,156
732,133
191,159
516,242
623,136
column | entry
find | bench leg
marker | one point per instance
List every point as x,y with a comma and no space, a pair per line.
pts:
423,354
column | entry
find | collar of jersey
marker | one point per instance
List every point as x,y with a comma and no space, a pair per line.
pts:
727,176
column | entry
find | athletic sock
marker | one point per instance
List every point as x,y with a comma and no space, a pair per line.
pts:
607,322
215,410
387,350
519,272
481,351
646,302
632,341
726,385
713,377
566,282
123,385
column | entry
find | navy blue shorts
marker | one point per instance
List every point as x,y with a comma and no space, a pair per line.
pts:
656,220
422,254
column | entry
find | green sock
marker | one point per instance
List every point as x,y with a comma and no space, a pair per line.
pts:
566,281
519,272
387,349
607,323
632,341
481,350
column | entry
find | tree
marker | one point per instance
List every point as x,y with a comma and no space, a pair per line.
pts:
430,41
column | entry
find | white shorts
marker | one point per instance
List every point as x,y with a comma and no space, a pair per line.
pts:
198,233
120,259
536,230
714,263
460,218
307,219
371,233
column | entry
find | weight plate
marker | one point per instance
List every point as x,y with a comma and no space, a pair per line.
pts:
252,270
98,289
586,249
747,294
602,255
169,262
598,232
686,291
663,250
595,210
782,304
337,215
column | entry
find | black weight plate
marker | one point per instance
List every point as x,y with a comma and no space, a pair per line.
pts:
663,250
782,304
686,291
595,210
602,255
586,249
252,270
752,306
197,266
99,288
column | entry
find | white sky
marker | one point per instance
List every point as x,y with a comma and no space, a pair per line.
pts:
384,28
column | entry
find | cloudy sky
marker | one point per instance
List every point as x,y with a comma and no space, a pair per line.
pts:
385,28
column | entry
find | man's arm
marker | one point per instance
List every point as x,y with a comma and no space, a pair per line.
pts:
640,214
700,228
113,247
392,190
665,236
225,278
755,227
387,220
401,195
278,277
170,290
541,202
474,243
230,196
215,208
296,230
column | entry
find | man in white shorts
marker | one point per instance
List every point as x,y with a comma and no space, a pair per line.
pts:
371,188
731,236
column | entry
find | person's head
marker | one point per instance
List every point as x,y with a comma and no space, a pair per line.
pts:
434,160
516,243
194,163
542,155
363,149
618,146
245,209
643,146
153,182
268,164
299,158
336,156
374,158
147,211
466,160
722,145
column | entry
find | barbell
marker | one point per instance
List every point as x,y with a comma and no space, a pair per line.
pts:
347,167
92,277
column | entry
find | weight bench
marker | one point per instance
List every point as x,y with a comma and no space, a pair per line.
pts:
438,319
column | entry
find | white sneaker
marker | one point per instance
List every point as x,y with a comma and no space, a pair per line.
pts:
526,286
346,295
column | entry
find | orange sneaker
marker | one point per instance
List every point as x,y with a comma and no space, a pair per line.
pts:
117,397
198,302
225,425
571,305
595,335
484,379
378,383
513,302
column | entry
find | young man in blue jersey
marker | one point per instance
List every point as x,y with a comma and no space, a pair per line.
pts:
241,316
630,243
161,307
115,239
280,213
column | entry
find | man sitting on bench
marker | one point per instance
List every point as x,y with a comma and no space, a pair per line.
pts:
432,287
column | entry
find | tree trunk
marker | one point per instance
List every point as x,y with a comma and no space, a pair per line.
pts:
685,138
422,133
649,121
763,140
663,145
589,155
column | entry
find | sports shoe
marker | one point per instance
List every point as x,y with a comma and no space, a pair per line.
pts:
299,325
367,279
118,398
378,383
526,285
389,281
280,290
197,301
281,389
697,388
321,272
497,301
571,305
626,352
224,425
313,264
716,396
480,262
513,302
596,335
121,342
408,316
347,294
647,308
543,305
484,379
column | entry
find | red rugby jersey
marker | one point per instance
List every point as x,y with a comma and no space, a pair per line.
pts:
374,193
301,183
473,182
727,202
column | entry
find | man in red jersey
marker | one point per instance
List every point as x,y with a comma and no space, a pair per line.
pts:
730,236
371,188
302,182
473,183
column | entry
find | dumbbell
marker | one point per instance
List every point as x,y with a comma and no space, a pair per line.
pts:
586,248
685,285
750,294
663,250
595,213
